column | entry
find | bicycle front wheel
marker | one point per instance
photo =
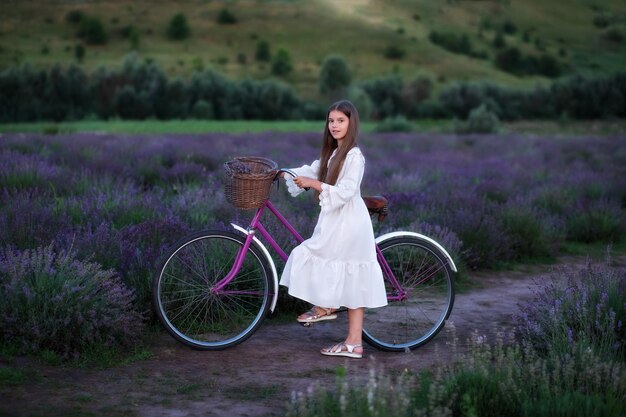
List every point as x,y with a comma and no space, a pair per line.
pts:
420,292
189,303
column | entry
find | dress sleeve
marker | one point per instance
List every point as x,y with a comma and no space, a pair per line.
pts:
348,185
310,171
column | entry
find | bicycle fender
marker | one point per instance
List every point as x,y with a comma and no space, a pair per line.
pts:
269,258
384,237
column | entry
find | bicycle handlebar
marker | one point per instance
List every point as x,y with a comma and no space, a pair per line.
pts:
288,171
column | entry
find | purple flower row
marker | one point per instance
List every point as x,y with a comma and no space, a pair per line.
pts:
123,199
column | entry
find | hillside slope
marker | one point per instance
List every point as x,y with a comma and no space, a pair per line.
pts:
581,35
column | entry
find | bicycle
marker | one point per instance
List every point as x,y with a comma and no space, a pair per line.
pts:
214,288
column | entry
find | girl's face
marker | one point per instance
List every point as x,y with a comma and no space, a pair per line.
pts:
338,124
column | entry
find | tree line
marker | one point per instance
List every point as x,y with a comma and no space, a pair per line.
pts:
140,89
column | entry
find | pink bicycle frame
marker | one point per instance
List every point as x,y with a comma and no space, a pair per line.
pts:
256,226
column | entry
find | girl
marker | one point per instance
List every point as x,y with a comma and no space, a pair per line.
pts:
337,266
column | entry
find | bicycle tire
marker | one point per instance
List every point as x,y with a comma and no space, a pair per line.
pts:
424,273
198,317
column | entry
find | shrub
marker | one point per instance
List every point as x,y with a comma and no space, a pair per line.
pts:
432,109
134,39
585,308
480,120
126,31
499,41
225,17
178,28
531,233
590,98
602,20
513,61
130,104
316,111
202,110
131,33
459,99
613,34
539,45
510,60
600,221
394,52
545,65
92,30
458,44
414,93
450,41
394,124
509,27
281,64
215,89
499,380
268,100
56,302
361,101
335,75
74,16
79,51
262,53
475,223
386,95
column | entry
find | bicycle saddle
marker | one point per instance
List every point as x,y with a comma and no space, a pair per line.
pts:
376,205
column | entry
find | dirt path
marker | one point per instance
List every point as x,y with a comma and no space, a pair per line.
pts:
257,377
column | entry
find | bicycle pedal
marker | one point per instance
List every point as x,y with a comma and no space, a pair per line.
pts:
306,324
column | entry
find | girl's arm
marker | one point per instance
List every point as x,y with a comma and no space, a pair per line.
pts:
348,185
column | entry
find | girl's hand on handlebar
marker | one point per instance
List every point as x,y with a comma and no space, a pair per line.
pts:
306,182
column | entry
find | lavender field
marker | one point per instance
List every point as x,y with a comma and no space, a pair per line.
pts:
107,206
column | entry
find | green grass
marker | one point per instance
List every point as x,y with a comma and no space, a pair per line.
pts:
569,127
99,358
107,358
12,376
170,126
597,127
195,126
595,251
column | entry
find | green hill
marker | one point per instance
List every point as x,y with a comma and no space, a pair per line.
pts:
587,36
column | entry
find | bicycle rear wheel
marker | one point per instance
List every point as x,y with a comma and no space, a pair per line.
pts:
419,308
188,306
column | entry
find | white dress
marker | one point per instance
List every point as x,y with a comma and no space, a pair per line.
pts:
337,266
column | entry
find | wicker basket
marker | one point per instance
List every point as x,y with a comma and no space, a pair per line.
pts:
248,181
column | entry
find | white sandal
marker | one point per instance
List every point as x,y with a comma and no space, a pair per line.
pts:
312,315
338,350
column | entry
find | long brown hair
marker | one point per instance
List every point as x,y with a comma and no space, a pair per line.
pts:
329,174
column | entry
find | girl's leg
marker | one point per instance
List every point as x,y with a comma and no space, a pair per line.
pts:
355,327
354,338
